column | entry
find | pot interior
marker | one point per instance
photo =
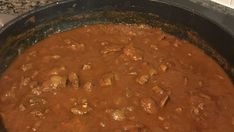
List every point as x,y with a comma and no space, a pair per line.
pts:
30,28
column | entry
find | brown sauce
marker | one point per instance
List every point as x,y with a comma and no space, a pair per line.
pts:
116,78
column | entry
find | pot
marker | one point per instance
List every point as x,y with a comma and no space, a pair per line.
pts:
211,31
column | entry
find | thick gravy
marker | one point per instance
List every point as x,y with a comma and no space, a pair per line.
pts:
116,78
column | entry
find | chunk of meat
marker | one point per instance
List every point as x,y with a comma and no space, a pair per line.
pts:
57,70
58,81
152,72
149,105
36,90
163,67
102,124
158,90
73,44
82,108
26,67
38,113
132,53
107,79
22,107
118,115
86,67
111,48
142,79
78,111
54,83
73,80
164,101
25,81
154,47
88,87
37,101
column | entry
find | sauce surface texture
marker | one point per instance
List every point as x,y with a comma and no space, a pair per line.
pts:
116,78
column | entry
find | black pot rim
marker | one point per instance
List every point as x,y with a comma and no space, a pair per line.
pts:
212,16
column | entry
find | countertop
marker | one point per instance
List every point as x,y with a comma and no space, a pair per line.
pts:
9,9
21,6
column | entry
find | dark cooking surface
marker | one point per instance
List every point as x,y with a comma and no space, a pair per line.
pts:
116,78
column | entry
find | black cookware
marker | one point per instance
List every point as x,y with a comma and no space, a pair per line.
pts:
206,28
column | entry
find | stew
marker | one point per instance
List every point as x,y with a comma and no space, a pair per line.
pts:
116,78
